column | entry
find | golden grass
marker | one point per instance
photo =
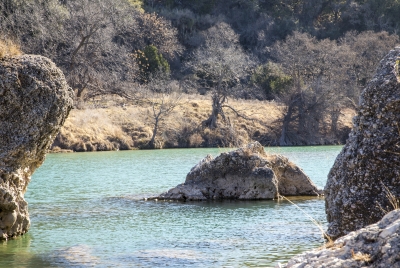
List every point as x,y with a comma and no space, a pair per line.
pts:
111,124
331,245
358,256
393,201
93,130
8,48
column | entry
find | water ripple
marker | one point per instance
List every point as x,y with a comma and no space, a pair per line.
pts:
88,210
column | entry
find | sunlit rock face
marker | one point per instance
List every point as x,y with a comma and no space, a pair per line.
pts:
377,245
34,102
247,173
368,167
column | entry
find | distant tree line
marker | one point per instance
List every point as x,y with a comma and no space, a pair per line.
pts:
312,56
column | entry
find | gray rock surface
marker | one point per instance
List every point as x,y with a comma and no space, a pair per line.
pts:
34,102
368,167
246,173
377,245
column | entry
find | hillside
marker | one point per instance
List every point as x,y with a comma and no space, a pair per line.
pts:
312,58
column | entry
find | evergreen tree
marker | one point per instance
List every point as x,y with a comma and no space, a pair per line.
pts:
151,61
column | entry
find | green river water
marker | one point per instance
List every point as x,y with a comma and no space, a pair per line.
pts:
87,210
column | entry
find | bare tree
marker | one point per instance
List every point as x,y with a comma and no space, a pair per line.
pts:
81,37
103,35
150,29
91,59
319,72
35,24
163,95
369,48
219,65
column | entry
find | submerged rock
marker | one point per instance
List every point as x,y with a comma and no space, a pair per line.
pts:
34,102
367,170
376,245
246,173
75,256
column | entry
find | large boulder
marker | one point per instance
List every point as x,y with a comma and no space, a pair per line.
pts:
367,170
246,173
34,102
376,245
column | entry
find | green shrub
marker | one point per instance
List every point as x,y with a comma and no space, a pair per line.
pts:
271,80
151,61
138,4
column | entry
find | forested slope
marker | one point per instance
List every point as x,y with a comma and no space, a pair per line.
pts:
310,57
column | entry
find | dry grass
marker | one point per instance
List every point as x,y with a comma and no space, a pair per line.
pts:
361,256
393,201
93,130
8,48
112,124
331,245
195,140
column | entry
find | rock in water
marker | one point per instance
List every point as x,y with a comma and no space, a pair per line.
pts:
377,245
368,167
246,173
34,102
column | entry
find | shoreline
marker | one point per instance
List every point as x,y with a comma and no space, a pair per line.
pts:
120,126
68,151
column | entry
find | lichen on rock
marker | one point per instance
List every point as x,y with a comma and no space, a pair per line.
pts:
368,167
247,173
34,102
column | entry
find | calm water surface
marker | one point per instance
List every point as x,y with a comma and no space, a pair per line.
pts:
87,210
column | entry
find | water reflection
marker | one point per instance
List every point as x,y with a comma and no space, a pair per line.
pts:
17,253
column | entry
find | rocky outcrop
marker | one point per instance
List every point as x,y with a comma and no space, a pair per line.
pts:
34,102
246,173
368,168
377,245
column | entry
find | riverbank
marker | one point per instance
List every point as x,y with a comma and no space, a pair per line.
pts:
112,124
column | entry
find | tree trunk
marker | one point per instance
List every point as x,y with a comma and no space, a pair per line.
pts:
284,140
302,127
335,113
79,92
152,142
212,121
